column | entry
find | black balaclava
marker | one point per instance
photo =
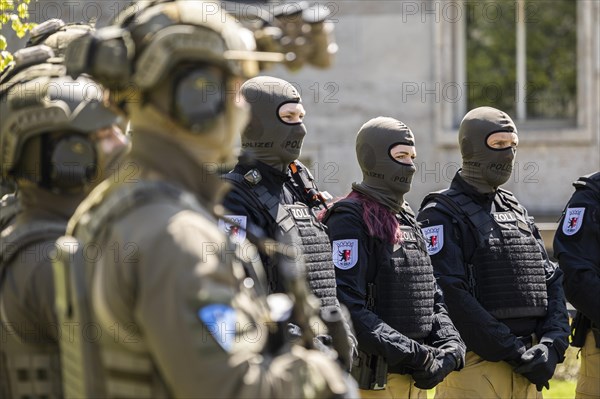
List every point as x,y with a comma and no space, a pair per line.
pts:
484,167
267,138
384,178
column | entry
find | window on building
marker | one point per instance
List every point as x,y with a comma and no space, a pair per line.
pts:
521,57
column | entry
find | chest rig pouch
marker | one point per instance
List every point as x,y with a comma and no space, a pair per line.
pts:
298,222
504,261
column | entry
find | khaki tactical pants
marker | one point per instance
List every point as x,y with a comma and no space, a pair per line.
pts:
399,386
481,379
588,383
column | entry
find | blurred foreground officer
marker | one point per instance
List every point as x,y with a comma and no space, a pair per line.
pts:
56,137
57,35
577,247
275,193
503,293
384,274
176,315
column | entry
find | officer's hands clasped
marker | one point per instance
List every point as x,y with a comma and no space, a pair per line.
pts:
538,364
435,371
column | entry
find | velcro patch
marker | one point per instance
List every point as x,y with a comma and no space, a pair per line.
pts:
408,235
236,230
504,217
220,320
434,237
573,220
345,253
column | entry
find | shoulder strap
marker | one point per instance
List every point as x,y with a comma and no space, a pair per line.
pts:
590,182
263,200
523,220
349,205
473,216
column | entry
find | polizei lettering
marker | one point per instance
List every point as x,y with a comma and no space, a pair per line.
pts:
501,167
401,179
293,144
375,174
258,145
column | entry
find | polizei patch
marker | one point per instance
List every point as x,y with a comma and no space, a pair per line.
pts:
345,253
434,237
572,221
236,230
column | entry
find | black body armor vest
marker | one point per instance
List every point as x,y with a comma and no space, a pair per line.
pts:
504,261
303,229
404,282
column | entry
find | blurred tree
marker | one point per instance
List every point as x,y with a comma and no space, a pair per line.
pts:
15,13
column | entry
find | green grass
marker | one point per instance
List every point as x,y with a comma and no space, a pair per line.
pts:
559,389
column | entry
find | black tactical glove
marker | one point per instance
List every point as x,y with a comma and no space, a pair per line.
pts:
442,365
538,364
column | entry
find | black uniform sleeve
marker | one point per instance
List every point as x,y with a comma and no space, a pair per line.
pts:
373,334
236,202
579,257
482,332
553,329
444,334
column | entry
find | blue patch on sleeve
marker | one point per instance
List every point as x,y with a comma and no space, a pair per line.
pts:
220,320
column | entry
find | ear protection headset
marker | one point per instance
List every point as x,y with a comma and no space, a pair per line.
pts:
71,162
198,96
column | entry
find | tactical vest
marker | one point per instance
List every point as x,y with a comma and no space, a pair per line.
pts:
404,282
103,368
27,370
301,227
505,265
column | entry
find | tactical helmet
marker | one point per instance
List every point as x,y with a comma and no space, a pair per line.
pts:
57,35
149,44
47,118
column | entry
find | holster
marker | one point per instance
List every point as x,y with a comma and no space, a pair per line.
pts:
579,329
370,371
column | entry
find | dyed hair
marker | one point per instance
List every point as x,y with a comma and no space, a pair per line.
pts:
380,221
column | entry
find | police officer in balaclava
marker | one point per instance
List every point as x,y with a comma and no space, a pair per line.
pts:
58,140
275,195
503,293
191,324
406,340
